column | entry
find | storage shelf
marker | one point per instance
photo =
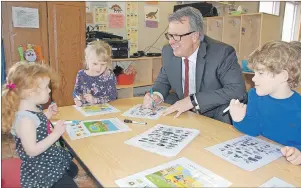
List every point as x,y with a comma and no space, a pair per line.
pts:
136,59
138,84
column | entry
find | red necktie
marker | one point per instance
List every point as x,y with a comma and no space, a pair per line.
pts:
186,85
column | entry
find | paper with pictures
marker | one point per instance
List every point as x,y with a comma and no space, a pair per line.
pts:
139,112
83,129
97,109
164,140
276,182
178,173
246,152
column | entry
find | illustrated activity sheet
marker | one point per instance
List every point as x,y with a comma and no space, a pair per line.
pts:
139,112
164,140
178,173
246,152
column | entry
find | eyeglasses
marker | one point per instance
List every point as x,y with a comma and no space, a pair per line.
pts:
176,37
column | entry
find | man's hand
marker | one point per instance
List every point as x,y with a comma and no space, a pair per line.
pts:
237,110
292,154
180,106
148,100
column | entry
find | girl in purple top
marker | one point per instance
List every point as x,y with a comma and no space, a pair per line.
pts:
96,84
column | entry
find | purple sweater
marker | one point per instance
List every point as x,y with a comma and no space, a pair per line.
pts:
102,87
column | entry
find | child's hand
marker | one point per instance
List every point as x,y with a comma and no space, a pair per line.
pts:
90,99
59,127
77,102
237,110
292,154
52,110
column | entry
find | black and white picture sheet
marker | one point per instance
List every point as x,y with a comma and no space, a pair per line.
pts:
247,152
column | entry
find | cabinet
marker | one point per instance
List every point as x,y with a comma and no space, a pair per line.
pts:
244,32
61,35
147,69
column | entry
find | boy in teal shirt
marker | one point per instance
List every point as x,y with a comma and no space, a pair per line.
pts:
274,109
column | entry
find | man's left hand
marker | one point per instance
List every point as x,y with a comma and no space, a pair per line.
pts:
180,106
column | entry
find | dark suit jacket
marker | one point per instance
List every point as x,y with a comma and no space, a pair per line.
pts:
218,78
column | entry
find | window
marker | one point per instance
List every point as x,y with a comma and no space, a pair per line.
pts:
289,21
270,7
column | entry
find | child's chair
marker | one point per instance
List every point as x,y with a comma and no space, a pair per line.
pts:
11,173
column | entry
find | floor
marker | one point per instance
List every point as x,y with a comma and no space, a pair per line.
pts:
8,151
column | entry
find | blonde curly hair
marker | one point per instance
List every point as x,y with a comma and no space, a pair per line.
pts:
276,56
99,49
22,76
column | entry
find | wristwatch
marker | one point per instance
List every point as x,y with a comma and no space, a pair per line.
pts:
194,102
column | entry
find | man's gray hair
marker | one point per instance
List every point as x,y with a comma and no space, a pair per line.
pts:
195,18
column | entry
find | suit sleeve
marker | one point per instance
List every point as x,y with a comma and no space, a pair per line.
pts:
230,76
250,125
162,84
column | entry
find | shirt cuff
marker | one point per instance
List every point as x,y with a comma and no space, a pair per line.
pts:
160,95
196,101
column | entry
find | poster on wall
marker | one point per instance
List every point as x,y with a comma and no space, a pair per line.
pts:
116,12
152,15
100,14
25,17
132,25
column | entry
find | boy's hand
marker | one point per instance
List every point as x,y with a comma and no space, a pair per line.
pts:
59,127
237,110
292,154
90,99
52,110
77,102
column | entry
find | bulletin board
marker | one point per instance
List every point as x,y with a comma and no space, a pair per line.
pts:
139,22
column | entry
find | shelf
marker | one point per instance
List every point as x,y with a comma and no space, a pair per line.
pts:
138,84
136,59
248,72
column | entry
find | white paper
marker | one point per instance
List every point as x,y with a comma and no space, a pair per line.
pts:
98,109
178,173
25,17
139,112
164,140
276,182
83,129
246,152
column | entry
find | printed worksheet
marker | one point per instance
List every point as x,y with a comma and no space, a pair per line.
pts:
178,173
164,140
83,129
246,152
97,109
139,112
276,182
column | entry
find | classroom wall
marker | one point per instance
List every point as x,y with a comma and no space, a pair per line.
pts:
147,36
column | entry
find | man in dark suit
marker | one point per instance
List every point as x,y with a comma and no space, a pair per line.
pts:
203,72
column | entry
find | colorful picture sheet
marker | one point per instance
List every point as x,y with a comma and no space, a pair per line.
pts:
82,129
178,173
247,152
138,111
98,109
164,140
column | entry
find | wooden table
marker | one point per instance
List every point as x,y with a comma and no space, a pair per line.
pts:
109,159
